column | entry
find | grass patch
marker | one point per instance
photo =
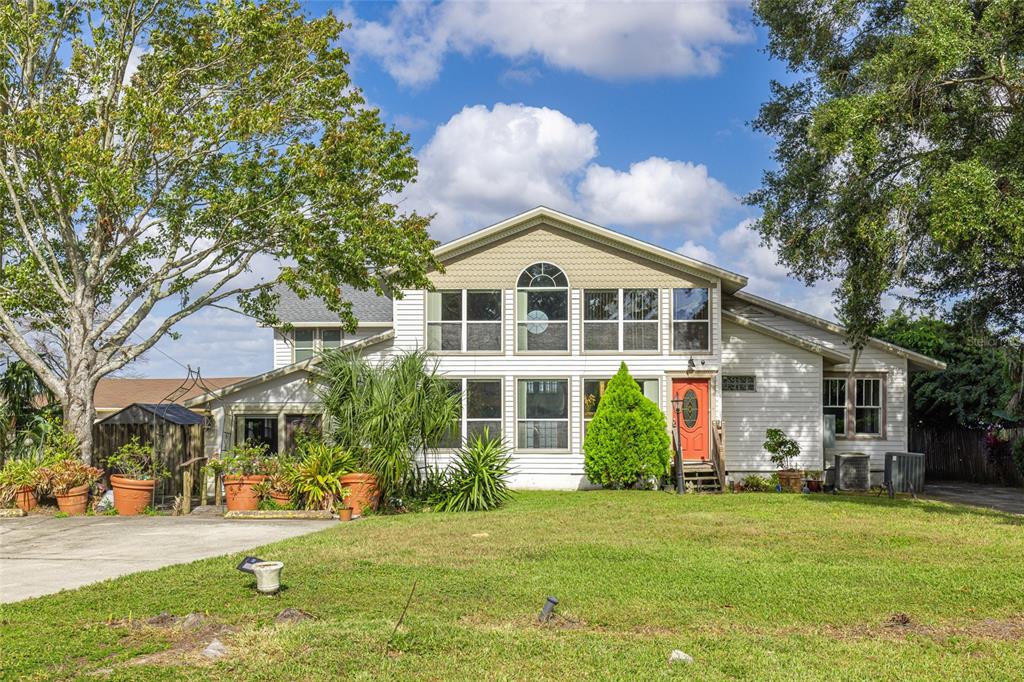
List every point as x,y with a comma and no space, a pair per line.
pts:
752,586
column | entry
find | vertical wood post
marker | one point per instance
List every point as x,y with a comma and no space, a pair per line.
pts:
186,491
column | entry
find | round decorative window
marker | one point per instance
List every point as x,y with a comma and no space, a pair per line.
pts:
690,408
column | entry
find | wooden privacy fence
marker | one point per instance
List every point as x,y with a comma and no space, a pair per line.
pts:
962,455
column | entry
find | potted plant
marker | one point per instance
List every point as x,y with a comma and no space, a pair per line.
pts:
783,450
277,486
243,466
344,511
69,481
137,473
317,478
18,481
813,481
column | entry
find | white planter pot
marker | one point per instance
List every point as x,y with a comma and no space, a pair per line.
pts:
268,576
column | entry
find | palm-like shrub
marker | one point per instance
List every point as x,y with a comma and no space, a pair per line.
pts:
387,412
627,441
477,480
315,478
16,474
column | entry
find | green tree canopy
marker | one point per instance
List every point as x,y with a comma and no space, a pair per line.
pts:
981,384
900,149
158,151
627,441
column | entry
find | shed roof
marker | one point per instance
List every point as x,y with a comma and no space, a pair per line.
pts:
144,413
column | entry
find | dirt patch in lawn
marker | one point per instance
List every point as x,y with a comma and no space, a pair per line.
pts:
187,636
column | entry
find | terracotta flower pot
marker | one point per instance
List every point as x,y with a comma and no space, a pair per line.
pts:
238,492
363,492
130,495
791,480
345,514
74,501
814,486
25,498
282,499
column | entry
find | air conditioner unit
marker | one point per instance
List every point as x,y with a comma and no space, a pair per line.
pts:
904,471
852,471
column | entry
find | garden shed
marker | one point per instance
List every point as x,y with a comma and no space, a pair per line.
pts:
175,432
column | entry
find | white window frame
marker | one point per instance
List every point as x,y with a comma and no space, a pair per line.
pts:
317,341
853,403
673,321
620,321
519,314
844,406
567,419
465,419
465,322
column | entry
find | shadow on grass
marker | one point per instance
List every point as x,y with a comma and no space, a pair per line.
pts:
925,505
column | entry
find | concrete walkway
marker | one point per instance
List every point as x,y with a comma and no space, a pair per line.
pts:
977,495
41,554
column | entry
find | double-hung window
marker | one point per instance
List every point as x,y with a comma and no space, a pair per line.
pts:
542,309
856,405
593,389
464,320
620,319
833,400
691,320
480,411
542,414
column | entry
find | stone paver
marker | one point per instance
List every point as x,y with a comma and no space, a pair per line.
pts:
977,495
41,554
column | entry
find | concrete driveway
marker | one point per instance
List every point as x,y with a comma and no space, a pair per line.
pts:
41,554
977,495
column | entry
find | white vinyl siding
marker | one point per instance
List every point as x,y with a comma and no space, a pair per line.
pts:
788,397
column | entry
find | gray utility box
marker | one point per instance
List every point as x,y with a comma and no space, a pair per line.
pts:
905,471
853,471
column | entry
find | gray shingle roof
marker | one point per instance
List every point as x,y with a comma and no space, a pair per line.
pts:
366,306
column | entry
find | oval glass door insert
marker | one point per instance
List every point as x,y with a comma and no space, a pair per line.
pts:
690,408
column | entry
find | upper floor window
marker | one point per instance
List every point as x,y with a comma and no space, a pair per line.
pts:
542,309
308,341
691,320
620,319
464,320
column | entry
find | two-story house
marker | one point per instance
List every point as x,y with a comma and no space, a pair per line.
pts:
533,315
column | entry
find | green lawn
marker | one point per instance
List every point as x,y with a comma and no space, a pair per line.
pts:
752,586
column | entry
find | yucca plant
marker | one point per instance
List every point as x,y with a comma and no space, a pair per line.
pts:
387,412
477,479
316,477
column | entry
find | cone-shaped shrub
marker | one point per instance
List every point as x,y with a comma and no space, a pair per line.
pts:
627,441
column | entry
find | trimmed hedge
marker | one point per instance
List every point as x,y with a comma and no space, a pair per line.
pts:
627,442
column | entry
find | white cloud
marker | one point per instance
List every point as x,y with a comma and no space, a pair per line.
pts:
484,165
655,192
602,39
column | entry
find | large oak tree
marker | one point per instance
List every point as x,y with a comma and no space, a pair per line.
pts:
154,152
900,150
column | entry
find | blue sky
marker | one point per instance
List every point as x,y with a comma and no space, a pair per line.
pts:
631,115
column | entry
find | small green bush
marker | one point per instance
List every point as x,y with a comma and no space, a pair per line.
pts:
478,478
783,449
137,462
627,442
757,484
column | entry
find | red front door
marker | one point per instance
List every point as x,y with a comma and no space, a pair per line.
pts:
690,414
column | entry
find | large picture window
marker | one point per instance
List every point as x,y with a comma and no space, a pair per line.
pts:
542,309
691,324
593,390
857,405
542,416
620,319
464,320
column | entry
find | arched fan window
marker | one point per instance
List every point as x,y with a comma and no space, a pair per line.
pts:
542,309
